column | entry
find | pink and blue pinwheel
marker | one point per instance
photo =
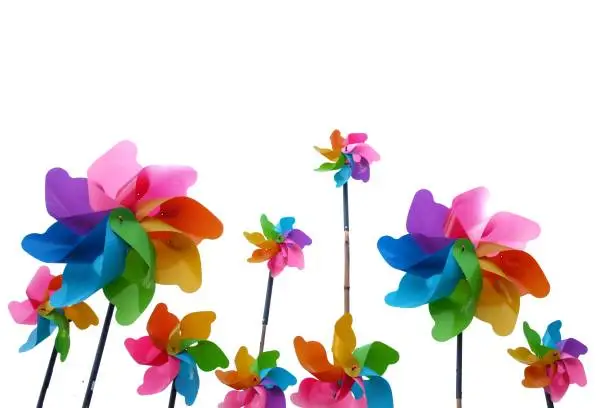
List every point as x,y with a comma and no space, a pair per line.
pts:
281,245
350,157
464,264
123,229
256,382
552,363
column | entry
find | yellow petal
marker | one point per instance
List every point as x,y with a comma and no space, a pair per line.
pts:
523,355
244,361
344,344
331,155
197,326
177,261
489,248
255,238
82,315
498,304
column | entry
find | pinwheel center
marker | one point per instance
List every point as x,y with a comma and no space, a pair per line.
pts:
44,309
120,219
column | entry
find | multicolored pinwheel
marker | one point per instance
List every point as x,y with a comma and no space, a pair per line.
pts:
354,380
552,363
123,228
174,349
37,311
464,264
351,157
257,382
281,245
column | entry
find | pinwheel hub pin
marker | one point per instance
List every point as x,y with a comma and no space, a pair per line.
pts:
45,309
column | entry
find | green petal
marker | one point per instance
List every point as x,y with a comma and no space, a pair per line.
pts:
62,339
126,226
535,341
208,356
376,356
269,230
133,291
265,360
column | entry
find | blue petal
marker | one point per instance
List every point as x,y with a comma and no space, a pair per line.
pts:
285,225
280,377
378,392
552,336
43,329
357,390
342,176
81,280
187,382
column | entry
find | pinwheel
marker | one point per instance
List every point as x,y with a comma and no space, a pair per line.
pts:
354,379
174,350
350,157
257,382
552,363
281,245
36,310
464,264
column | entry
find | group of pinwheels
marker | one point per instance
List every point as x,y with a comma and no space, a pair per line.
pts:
126,228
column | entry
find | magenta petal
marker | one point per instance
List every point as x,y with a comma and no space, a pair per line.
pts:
39,285
353,138
468,216
237,399
426,216
144,352
559,383
295,256
158,378
363,151
575,371
277,264
23,312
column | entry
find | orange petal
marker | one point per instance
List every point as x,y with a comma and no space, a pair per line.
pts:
498,304
197,325
177,261
313,358
523,269
82,315
337,141
267,250
535,376
344,344
523,355
161,324
255,238
55,283
241,378
331,155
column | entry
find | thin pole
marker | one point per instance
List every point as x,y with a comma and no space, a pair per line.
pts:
47,379
266,313
549,402
172,399
459,375
347,251
98,358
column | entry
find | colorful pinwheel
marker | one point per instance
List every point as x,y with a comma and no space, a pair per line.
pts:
174,349
353,380
552,363
37,311
257,382
280,245
123,228
464,264
351,157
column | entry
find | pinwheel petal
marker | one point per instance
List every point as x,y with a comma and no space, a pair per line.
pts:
467,215
161,324
559,382
575,371
572,347
378,392
552,335
238,399
265,361
145,352
81,315
299,237
313,358
38,287
524,271
342,176
158,378
41,332
208,356
365,152
376,356
337,141
344,344
255,238
242,377
314,393
361,171
268,251
187,381
331,155
197,326
285,225
523,355
23,312
353,138
426,216
277,264
510,230
280,377
498,304
177,261
408,251
295,256
271,397
536,377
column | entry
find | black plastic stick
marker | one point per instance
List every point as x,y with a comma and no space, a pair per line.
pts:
347,250
47,380
266,313
549,402
172,399
459,375
98,359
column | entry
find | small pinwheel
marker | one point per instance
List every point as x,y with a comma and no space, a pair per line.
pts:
173,349
351,157
257,382
355,377
123,228
280,245
37,311
464,264
552,363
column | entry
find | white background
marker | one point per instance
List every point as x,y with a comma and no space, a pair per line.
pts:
454,94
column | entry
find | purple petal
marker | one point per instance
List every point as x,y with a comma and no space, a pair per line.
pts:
360,170
572,347
425,216
299,237
276,398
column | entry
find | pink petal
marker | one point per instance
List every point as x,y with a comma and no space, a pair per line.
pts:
144,352
110,173
510,230
575,371
559,383
295,256
363,151
277,264
313,393
353,138
255,397
158,378
23,312
467,217
38,288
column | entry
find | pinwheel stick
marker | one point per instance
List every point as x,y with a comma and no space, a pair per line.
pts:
549,402
172,399
347,251
459,375
47,380
266,313
98,358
